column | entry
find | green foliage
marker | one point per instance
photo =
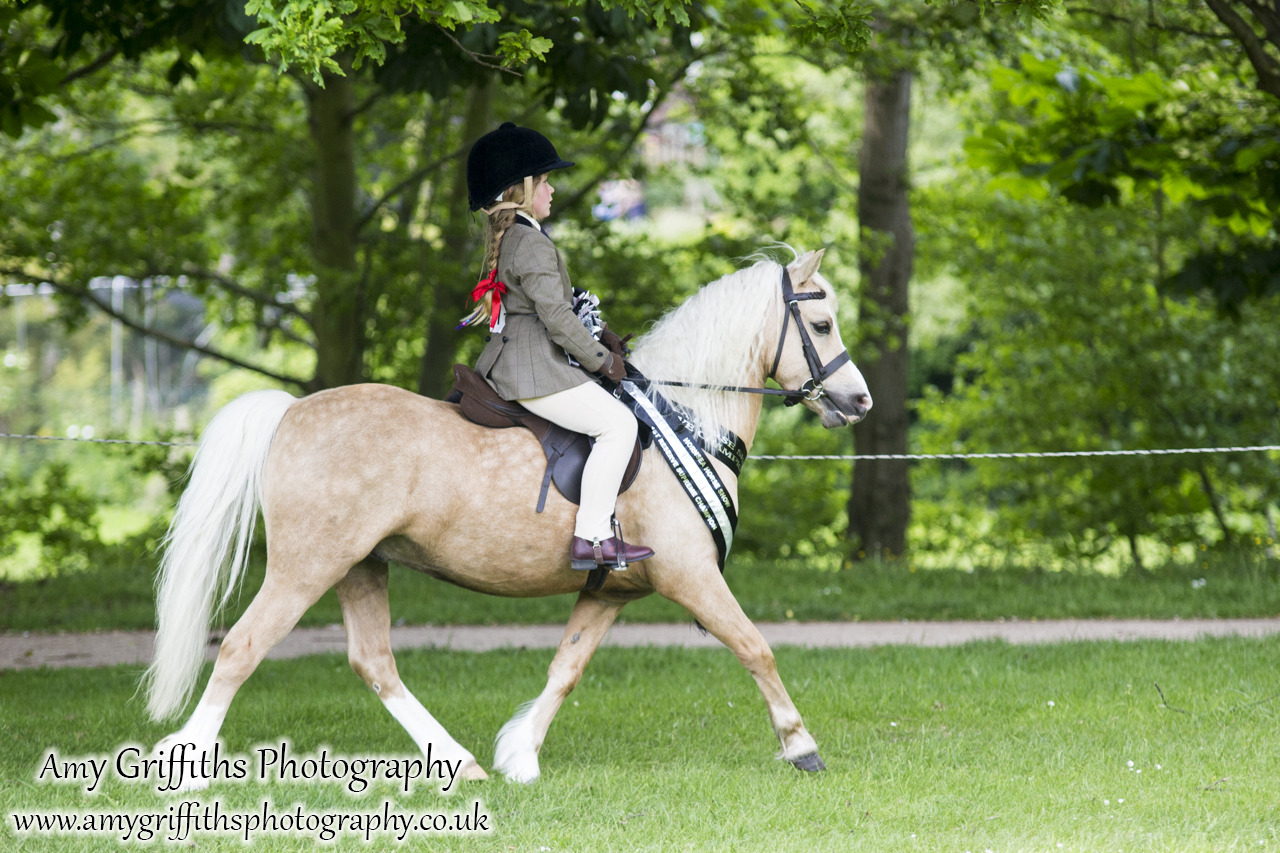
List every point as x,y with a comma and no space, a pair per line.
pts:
1076,350
1081,132
523,47
56,513
1249,272
193,160
131,224
29,74
847,25
1100,138
309,35
1116,182
45,45
794,509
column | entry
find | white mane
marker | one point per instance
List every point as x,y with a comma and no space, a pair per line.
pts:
715,337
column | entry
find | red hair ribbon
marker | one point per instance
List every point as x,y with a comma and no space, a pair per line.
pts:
497,288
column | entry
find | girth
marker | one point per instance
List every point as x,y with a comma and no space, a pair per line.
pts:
566,451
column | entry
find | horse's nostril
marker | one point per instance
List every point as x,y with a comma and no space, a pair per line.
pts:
863,401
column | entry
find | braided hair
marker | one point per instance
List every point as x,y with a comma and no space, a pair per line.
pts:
503,214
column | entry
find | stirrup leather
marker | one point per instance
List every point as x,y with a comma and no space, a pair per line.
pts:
621,550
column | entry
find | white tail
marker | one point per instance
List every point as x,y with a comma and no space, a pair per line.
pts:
208,542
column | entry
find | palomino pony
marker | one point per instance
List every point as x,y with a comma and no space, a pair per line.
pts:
355,476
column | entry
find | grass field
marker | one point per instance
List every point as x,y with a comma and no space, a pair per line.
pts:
981,747
1236,584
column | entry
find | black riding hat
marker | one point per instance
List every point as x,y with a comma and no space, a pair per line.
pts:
504,157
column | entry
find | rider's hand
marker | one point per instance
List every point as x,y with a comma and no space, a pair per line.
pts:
614,368
616,345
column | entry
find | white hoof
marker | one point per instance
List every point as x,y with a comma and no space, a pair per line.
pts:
473,772
522,768
165,748
515,754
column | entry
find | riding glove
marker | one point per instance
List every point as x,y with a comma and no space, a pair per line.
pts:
616,345
614,368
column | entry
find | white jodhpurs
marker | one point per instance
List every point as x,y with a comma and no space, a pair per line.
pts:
590,409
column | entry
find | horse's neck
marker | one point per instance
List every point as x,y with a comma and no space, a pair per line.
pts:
662,355
748,414
749,419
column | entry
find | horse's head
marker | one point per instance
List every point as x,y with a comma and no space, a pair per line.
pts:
805,357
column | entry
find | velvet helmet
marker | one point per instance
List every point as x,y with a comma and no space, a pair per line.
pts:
504,157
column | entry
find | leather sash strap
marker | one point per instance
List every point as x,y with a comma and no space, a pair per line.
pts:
690,465
731,449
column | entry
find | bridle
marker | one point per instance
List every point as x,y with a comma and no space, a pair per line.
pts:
812,389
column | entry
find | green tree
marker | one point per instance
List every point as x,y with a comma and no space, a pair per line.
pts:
322,210
1076,350
904,39
1129,104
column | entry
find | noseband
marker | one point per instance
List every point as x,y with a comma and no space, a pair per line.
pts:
812,389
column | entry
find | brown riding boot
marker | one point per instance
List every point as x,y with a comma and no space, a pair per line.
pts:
586,555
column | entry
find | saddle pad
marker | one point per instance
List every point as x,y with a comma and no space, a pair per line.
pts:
566,451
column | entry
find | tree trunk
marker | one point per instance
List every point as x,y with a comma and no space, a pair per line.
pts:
452,280
1212,494
339,308
1133,552
879,501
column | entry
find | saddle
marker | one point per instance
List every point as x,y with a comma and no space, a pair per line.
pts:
566,451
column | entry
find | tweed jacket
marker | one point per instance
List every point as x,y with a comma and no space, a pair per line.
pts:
527,358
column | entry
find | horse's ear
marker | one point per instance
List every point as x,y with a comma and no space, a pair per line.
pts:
803,268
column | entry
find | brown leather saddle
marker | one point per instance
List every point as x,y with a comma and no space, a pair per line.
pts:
566,451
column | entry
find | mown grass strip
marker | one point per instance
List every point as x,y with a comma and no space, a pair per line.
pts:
985,746
1239,584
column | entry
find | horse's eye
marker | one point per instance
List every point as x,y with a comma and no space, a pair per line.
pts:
823,328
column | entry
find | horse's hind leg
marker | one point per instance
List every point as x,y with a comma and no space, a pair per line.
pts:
367,615
277,607
516,751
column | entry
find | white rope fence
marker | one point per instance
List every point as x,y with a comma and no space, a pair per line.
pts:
1053,455
1260,448
98,440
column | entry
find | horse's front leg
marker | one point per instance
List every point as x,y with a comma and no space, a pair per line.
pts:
707,597
516,750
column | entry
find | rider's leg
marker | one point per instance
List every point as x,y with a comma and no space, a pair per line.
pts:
590,409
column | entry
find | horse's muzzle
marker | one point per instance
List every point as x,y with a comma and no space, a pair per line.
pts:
858,406
841,410
851,407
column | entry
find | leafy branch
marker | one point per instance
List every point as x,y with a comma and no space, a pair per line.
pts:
84,293
848,25
414,177
625,150
232,286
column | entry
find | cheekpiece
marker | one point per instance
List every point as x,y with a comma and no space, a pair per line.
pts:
504,157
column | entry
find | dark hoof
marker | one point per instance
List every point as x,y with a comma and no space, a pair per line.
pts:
810,763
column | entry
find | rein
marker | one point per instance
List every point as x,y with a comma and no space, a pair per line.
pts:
812,389
780,392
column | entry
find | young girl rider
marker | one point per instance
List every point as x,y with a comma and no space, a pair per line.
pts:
526,299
